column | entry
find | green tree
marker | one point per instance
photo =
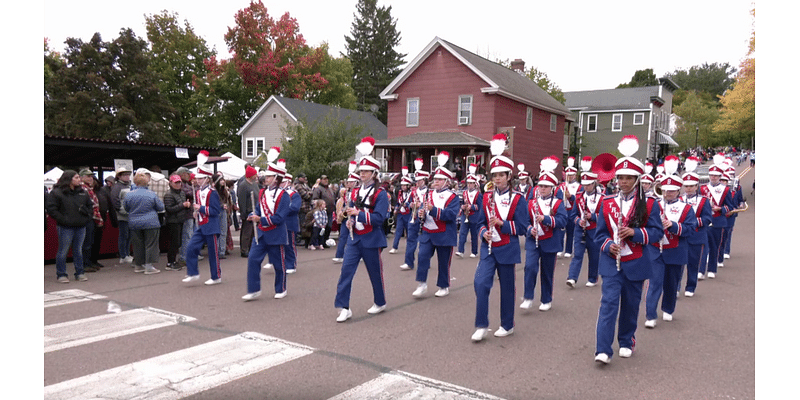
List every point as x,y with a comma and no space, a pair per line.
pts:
643,77
371,50
339,91
713,78
697,116
737,122
322,146
178,55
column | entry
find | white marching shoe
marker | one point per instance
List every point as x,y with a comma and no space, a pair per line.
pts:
268,266
442,292
567,255
344,315
190,278
688,294
711,275
700,276
720,265
726,256
473,255
591,284
602,358
213,281
650,323
405,267
479,334
251,296
459,254
666,316
422,288
502,332
337,260
545,306
376,309
526,304
571,283
625,352
281,294
392,251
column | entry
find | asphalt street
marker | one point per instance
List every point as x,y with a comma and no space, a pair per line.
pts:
707,351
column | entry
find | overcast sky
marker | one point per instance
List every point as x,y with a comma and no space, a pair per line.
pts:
581,45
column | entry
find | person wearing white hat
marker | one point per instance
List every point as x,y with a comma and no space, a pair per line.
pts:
270,213
672,252
438,214
344,232
472,203
628,222
402,212
524,184
121,187
584,214
547,216
368,207
207,210
567,191
721,204
414,226
292,220
697,258
502,219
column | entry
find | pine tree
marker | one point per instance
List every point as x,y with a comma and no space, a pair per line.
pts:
370,47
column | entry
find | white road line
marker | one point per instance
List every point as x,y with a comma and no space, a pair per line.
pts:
94,329
63,297
402,385
183,373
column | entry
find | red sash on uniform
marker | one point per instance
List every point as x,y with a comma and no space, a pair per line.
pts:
534,209
354,198
441,226
470,211
673,239
611,216
265,210
202,219
515,196
401,199
707,193
581,200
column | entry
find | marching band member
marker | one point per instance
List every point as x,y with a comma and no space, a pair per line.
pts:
738,201
292,223
503,217
628,222
272,208
414,226
698,242
438,214
547,216
584,214
721,204
344,232
567,191
671,253
207,209
524,185
647,180
367,208
469,224
402,213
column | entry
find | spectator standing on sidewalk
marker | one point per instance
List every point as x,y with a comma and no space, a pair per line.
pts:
87,182
143,206
323,192
177,209
71,207
121,187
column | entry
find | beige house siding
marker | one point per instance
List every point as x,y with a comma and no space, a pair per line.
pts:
267,126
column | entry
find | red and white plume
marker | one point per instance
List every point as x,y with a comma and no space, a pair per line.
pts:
549,164
628,146
366,145
498,144
660,168
281,163
648,168
571,162
472,168
691,164
719,158
202,157
442,158
586,163
404,170
521,167
671,163
352,166
273,154
418,164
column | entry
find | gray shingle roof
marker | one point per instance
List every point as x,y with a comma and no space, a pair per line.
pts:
612,99
446,138
314,111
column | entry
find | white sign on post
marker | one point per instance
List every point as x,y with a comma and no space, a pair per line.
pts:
181,152
119,163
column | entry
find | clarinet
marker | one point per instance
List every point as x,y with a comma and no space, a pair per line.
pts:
255,224
535,222
489,188
422,220
617,239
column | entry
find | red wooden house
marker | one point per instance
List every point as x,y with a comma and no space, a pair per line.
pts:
450,99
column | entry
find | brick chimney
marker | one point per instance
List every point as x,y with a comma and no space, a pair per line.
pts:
518,66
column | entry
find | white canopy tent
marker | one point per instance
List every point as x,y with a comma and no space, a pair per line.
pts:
51,177
232,168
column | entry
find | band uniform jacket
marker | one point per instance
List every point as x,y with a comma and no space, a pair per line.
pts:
439,224
511,207
555,219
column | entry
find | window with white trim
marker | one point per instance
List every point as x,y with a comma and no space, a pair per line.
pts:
591,123
553,122
465,109
638,119
412,112
616,123
253,146
529,119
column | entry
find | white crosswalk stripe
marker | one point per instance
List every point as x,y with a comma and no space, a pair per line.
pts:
196,369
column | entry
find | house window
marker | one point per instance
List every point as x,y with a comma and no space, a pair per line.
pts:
274,116
465,110
253,146
591,123
553,122
529,119
412,112
616,123
638,119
